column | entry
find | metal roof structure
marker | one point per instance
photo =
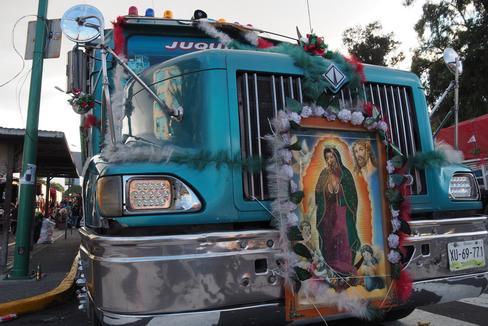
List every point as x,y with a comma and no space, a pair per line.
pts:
54,158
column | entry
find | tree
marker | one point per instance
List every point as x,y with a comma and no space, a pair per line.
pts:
462,25
371,45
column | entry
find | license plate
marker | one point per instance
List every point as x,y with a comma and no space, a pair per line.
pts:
466,254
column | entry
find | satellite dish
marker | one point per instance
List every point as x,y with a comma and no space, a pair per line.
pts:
82,23
450,58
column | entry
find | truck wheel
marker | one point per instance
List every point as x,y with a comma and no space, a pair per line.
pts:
398,313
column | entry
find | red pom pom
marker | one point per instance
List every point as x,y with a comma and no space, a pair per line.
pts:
90,121
264,44
403,286
405,210
358,66
119,40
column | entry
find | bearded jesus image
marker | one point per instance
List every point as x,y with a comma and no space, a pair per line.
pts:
364,160
337,201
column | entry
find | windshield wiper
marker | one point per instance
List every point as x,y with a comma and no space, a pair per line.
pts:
142,139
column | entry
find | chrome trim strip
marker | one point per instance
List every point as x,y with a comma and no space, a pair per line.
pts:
382,110
199,237
419,238
300,95
273,95
388,111
343,99
409,120
249,131
292,93
396,120
460,220
258,129
125,260
282,83
402,115
372,95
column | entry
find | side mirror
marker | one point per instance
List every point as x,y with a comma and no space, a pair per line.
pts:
82,23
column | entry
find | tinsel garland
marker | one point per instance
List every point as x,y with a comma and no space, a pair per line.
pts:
200,159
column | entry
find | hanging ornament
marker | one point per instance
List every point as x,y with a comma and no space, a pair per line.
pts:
314,44
81,102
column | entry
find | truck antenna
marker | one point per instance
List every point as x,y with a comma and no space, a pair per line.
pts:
309,18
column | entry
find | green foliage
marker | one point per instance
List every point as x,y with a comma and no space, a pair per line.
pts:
302,274
301,250
294,233
296,197
463,26
371,45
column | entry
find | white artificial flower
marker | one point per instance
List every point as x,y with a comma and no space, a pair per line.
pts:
330,116
286,139
295,117
285,155
344,115
395,213
306,111
318,111
389,167
293,186
286,171
391,184
282,122
292,218
289,206
395,224
382,125
357,118
372,126
393,240
394,256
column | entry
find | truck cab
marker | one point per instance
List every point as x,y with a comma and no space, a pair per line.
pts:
178,214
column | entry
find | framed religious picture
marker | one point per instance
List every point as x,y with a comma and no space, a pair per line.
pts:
343,220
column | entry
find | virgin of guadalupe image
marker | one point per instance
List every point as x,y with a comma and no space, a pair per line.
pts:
337,201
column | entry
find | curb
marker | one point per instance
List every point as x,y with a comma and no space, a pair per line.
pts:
40,301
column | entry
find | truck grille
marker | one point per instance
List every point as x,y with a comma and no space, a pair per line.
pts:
261,96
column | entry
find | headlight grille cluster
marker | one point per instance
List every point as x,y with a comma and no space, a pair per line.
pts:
463,186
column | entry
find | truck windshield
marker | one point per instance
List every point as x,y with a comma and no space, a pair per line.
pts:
148,121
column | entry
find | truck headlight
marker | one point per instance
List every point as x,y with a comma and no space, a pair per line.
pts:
463,186
109,196
158,194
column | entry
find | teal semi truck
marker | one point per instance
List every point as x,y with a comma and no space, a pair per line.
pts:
177,226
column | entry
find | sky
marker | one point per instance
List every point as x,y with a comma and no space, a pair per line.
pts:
329,19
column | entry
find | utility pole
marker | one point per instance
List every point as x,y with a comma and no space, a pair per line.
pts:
29,157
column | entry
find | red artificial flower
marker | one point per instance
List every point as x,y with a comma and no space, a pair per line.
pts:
368,108
83,105
76,91
92,104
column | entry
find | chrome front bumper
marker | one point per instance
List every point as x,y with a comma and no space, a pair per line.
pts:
424,293
173,274
235,276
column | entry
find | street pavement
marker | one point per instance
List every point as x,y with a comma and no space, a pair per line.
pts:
467,312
